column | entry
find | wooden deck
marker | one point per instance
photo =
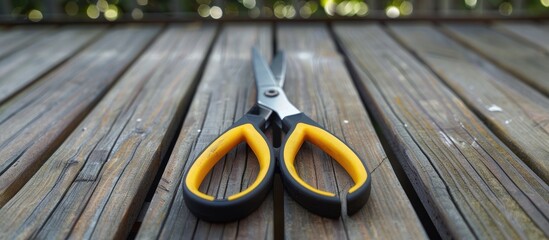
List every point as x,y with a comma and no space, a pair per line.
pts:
98,124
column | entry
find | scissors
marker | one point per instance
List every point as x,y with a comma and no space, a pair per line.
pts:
298,128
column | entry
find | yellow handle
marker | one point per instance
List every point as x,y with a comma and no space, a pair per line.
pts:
332,146
219,148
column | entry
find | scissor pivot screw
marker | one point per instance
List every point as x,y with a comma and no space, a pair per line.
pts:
271,93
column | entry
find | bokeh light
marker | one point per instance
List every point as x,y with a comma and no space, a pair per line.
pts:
248,3
344,8
137,14
471,3
111,13
392,12
204,10
142,2
267,12
92,11
406,8
254,12
362,9
505,8
113,10
71,8
102,5
35,15
305,11
216,12
329,7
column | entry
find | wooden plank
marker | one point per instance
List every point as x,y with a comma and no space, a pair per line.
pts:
528,31
225,93
518,114
470,183
94,184
318,84
36,121
28,64
18,37
525,62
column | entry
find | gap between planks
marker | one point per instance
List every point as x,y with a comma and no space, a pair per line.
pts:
36,121
521,115
445,192
20,69
166,157
93,197
225,92
511,54
169,188
319,84
535,34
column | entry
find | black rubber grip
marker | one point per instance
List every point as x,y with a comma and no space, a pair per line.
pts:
319,204
223,210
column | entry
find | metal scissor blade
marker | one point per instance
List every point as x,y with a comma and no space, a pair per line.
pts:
263,75
278,67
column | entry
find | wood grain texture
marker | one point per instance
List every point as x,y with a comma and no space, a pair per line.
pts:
470,183
524,61
518,114
318,83
537,34
47,51
36,121
225,93
94,184
18,37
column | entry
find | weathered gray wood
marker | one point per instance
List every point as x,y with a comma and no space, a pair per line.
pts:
18,37
225,93
529,31
470,183
36,121
47,51
319,84
94,184
518,114
522,60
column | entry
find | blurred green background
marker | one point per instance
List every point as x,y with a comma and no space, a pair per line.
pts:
113,10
